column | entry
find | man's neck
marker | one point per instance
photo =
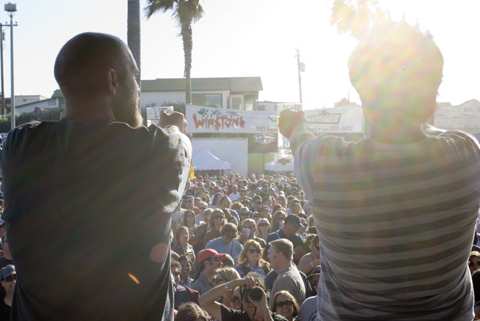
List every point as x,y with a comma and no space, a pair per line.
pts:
283,267
89,111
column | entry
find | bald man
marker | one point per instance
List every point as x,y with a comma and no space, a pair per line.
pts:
89,198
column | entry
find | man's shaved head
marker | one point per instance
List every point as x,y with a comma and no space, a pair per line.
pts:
95,65
85,58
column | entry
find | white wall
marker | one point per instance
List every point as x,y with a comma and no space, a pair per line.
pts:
232,150
149,99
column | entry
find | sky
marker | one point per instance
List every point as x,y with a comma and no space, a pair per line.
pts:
244,38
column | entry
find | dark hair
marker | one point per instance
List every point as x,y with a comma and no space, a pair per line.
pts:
476,284
191,312
296,308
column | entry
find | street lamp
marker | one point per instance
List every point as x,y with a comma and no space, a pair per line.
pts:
11,8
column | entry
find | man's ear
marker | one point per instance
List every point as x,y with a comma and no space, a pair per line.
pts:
113,81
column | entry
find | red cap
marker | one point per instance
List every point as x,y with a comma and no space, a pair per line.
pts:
208,253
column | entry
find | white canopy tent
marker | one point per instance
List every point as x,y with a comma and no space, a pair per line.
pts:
205,160
280,166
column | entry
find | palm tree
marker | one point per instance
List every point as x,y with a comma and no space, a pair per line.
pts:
134,32
185,12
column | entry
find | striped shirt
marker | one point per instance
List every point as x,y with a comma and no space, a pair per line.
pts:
395,223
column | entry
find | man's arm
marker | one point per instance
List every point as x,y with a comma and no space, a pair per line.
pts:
172,153
208,300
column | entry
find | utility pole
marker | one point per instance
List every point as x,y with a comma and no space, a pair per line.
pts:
11,8
300,69
2,79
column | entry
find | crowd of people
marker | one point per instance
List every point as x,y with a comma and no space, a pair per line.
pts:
233,234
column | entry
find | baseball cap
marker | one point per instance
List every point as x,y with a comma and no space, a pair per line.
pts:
293,220
208,253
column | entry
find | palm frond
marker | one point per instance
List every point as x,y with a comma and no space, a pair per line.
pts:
154,6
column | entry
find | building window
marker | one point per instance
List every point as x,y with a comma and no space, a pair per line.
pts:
208,100
237,102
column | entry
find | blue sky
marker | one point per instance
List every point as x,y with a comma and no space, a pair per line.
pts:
244,38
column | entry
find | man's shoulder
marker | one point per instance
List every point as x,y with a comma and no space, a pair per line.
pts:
273,236
30,130
215,241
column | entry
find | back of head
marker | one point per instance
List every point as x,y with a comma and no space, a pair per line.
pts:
84,61
397,70
96,73
191,312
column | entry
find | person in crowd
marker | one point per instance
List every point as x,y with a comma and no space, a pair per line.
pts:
297,209
183,294
290,231
474,261
252,309
263,228
8,277
224,202
251,260
207,263
185,277
216,198
308,310
288,277
6,257
312,259
248,230
3,228
313,277
224,275
244,213
234,194
191,312
180,243
95,187
284,303
205,233
188,202
189,220
359,191
476,293
228,260
227,243
231,216
278,220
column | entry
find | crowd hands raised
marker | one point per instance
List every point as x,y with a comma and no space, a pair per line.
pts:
245,248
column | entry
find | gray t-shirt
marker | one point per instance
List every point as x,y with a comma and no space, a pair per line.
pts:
290,280
308,310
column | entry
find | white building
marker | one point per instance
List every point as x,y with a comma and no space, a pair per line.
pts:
239,93
40,105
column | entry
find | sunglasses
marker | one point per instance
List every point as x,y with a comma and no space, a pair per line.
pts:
284,303
253,251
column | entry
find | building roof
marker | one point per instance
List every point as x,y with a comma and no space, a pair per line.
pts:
235,84
35,102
